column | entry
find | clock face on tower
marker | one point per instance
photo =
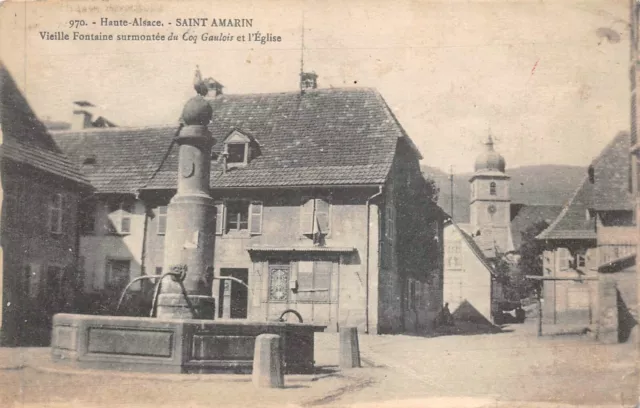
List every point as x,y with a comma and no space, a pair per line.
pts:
491,209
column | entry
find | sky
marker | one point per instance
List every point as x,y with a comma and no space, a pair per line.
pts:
540,76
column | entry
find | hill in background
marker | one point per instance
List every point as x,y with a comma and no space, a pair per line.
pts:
532,185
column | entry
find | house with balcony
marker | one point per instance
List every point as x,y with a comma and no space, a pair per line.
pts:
321,208
41,192
589,247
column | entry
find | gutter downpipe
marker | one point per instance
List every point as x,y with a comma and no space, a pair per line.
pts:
368,245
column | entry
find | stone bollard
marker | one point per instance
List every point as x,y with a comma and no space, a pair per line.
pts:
349,347
267,362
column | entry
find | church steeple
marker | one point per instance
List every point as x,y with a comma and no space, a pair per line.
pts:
490,159
491,202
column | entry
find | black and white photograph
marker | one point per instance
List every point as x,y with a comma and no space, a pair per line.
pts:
302,203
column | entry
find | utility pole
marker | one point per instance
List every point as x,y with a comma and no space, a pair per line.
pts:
451,189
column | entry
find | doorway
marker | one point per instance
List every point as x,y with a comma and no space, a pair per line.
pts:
234,297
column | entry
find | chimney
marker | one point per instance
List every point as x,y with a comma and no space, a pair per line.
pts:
81,115
308,80
214,87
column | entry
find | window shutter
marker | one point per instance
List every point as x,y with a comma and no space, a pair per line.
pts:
305,281
322,280
306,216
255,219
219,217
323,213
563,259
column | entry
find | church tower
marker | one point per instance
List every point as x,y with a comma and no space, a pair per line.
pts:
490,210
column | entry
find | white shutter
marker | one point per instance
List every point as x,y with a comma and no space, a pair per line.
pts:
255,218
323,213
564,259
306,216
219,217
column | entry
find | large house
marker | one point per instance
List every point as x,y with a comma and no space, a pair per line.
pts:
591,246
41,191
321,208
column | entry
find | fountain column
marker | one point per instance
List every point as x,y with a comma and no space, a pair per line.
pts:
191,214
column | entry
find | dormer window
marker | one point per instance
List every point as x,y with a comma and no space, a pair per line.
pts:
236,153
237,149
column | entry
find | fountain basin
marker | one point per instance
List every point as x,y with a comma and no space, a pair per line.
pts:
175,345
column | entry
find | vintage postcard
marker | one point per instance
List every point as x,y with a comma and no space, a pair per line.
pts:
319,203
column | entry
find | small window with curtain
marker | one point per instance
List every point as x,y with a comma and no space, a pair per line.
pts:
162,220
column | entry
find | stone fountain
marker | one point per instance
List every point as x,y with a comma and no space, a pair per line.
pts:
182,337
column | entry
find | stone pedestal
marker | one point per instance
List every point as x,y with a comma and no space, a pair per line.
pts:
267,362
189,241
349,348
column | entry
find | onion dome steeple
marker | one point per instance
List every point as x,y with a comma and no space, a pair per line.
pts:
490,159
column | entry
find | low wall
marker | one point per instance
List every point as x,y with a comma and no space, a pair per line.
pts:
175,346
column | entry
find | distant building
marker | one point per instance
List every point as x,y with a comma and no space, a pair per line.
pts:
42,190
321,208
470,285
495,231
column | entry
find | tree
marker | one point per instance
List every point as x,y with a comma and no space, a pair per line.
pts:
531,249
431,189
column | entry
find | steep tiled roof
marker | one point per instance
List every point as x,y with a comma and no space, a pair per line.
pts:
608,191
124,158
528,215
42,159
324,137
611,172
572,222
25,138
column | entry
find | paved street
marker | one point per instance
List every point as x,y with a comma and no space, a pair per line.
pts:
514,369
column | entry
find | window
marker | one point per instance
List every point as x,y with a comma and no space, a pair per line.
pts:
237,213
55,214
580,261
120,216
315,216
390,220
158,270
88,218
11,205
279,283
454,251
162,220
236,153
314,281
492,188
411,292
117,274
